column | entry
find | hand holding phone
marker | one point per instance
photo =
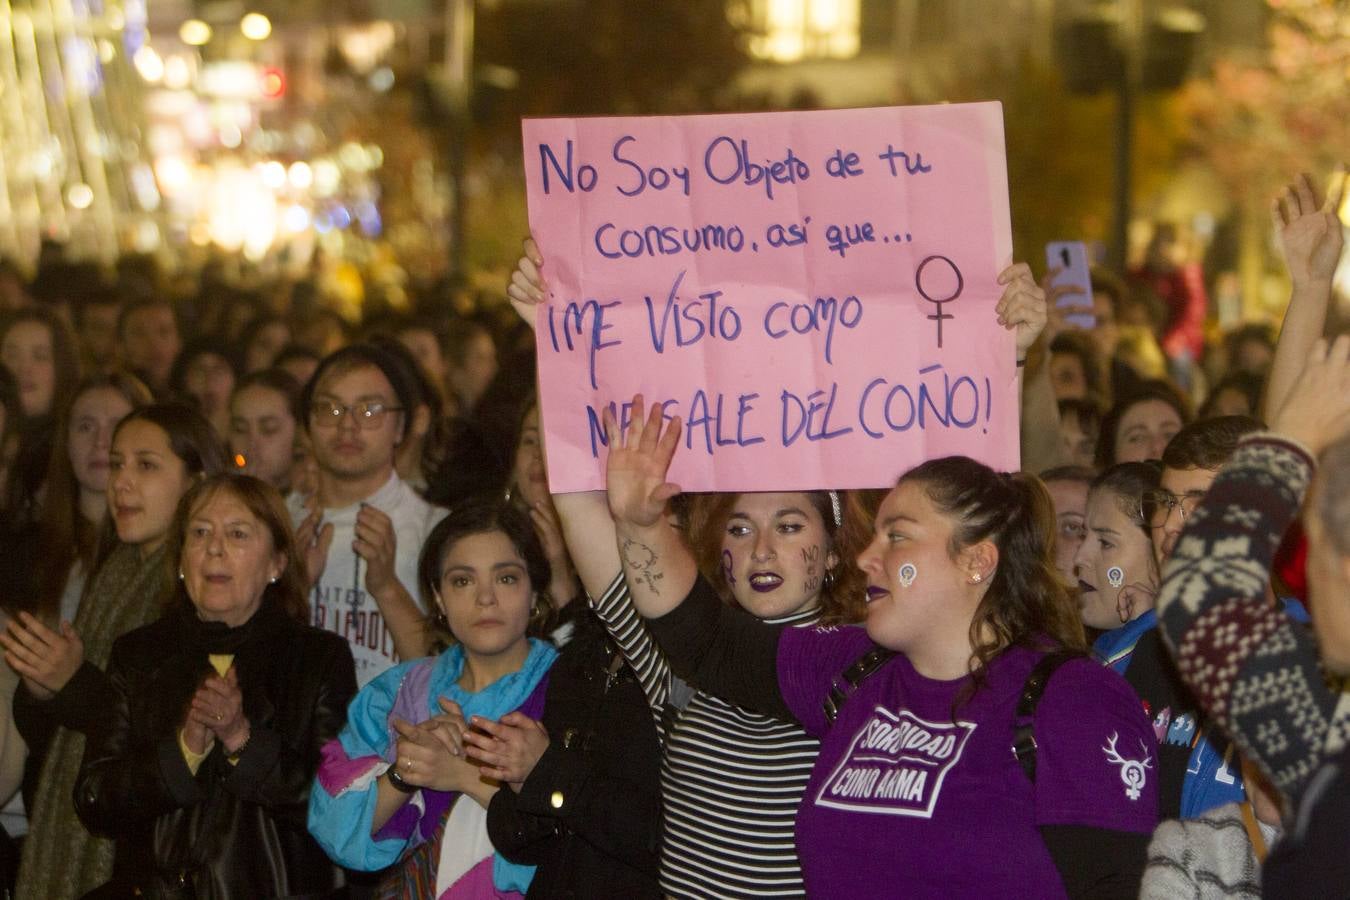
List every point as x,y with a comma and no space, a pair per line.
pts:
1071,286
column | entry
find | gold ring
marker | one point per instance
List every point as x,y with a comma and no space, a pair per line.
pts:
407,764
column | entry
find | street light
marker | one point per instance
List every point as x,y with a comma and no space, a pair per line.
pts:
194,33
255,26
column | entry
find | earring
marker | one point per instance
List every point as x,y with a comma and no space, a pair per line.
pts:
976,578
273,579
180,574
829,578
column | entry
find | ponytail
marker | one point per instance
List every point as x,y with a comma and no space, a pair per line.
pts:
1027,603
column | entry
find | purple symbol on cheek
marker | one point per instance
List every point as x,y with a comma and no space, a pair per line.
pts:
727,568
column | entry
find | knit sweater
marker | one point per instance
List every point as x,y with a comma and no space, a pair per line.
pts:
1209,858
1253,667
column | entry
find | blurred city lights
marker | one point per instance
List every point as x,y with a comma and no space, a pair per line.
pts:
274,174
177,72
80,196
194,33
149,64
301,175
255,26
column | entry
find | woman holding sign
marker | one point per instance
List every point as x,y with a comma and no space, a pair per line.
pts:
731,777
955,760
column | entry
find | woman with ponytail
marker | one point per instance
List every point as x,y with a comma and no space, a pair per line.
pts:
968,745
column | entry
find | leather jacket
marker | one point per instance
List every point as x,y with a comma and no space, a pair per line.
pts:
236,828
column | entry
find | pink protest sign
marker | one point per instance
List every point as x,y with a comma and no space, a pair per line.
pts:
812,293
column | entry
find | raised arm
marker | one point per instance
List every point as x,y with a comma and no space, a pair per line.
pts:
1231,644
1023,309
588,530
1311,237
659,568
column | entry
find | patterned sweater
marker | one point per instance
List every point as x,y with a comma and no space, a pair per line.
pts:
1254,668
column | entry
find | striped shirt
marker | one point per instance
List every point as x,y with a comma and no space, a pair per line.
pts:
731,779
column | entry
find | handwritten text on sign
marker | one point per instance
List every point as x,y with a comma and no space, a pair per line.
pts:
812,293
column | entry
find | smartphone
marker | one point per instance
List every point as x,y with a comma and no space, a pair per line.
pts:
1070,257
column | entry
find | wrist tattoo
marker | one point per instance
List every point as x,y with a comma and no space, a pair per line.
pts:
640,561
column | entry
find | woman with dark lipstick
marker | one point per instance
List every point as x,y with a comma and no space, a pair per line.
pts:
731,777
924,785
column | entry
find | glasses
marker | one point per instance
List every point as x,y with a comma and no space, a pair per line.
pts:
326,414
1160,504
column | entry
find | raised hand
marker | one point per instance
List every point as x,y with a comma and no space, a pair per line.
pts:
639,459
375,542
1316,411
46,660
1022,308
1310,229
1134,599
510,749
313,537
526,288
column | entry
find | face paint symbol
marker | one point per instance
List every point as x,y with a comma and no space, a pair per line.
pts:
1115,576
907,574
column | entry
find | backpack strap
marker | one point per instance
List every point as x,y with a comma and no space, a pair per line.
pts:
1024,739
846,682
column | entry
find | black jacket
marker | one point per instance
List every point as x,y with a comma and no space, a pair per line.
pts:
230,830
589,814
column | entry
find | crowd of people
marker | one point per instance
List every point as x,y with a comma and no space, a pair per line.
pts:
289,610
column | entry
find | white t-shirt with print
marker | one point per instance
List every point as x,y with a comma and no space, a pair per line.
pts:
339,602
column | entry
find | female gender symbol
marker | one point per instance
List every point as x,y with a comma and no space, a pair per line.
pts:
918,284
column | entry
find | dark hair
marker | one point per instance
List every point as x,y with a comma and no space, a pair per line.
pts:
142,303
1245,383
1080,346
1207,444
459,337
360,356
250,333
65,535
1027,600
437,436
483,515
1152,389
1088,414
193,350
1107,282
1129,482
191,437
295,351
65,347
266,505
278,380
841,596
9,399
1252,332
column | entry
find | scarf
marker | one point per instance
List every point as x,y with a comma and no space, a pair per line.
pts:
61,860
339,815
